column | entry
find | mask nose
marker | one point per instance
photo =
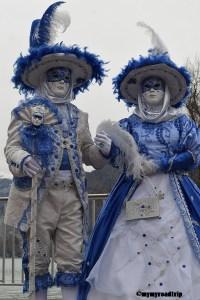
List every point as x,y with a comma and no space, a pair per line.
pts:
152,89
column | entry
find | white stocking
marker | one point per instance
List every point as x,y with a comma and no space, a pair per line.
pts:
41,295
69,293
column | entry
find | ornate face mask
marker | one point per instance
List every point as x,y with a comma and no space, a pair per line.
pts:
37,115
59,74
153,89
37,119
59,81
154,83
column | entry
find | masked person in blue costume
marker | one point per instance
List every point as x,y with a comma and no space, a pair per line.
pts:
49,137
147,236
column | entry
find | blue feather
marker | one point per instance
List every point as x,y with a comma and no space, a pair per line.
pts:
150,60
45,23
36,54
38,141
33,40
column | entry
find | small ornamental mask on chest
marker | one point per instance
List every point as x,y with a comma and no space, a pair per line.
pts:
37,135
38,114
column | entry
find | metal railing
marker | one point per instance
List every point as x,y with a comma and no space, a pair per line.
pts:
11,245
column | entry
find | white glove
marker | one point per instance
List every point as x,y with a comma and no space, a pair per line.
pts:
103,142
31,166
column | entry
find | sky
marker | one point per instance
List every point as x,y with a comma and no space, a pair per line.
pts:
107,28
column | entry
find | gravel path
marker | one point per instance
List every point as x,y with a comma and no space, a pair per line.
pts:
15,293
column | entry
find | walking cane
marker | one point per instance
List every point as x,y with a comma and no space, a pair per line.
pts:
32,242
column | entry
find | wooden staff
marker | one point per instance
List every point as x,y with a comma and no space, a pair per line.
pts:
32,242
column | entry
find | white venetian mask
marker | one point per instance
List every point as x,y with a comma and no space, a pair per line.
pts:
153,91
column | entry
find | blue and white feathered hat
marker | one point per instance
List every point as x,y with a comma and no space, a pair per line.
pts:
157,63
44,54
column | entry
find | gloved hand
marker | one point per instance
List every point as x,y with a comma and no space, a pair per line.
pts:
103,142
30,166
179,162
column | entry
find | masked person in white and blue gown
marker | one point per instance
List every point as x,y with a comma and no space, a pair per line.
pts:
147,237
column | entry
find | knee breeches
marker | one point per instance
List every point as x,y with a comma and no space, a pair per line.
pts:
60,224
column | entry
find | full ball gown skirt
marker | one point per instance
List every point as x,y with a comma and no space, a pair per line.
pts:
149,255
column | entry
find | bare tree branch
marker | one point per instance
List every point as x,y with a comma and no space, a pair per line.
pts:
194,99
193,104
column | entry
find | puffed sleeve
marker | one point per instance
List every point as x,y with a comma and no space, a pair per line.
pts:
90,152
13,150
191,140
187,155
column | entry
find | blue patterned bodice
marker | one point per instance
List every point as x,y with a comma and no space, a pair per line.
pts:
163,139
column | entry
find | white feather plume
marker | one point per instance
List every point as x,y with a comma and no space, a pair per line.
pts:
136,164
158,45
60,21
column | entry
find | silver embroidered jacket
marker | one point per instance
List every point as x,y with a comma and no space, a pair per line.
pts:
73,135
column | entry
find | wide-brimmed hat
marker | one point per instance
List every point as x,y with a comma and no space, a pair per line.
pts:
44,54
127,84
